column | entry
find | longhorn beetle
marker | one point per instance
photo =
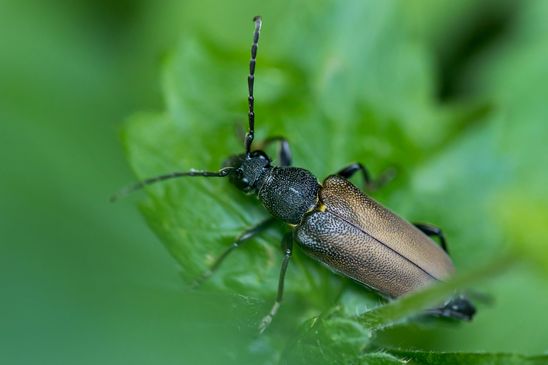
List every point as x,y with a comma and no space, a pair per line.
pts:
333,222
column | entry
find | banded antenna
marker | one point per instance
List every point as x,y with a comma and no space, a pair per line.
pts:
173,175
250,82
248,138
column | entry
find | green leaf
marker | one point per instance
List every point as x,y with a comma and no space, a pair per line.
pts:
331,338
196,217
352,82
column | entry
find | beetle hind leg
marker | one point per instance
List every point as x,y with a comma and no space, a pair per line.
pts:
287,245
459,308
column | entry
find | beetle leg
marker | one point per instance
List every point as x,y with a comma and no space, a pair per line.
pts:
459,307
370,184
287,244
242,238
431,231
284,153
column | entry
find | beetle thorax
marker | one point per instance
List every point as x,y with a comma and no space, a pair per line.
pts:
288,193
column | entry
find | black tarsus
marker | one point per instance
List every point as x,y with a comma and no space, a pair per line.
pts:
458,307
141,184
433,231
242,238
287,245
250,82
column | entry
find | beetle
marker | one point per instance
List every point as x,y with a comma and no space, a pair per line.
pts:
333,222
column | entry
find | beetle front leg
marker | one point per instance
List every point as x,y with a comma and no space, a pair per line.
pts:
433,231
242,238
284,153
287,244
370,184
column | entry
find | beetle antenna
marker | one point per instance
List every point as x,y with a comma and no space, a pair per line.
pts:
250,82
141,184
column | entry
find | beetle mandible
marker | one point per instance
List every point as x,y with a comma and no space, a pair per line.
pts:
333,222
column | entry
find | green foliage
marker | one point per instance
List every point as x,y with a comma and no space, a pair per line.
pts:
355,81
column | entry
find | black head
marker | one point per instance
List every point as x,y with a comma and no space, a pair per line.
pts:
248,169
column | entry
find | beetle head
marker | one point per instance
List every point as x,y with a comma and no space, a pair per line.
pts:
248,169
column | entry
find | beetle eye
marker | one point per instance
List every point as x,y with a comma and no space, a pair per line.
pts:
241,181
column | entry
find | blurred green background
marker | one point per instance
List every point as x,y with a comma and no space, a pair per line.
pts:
451,93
